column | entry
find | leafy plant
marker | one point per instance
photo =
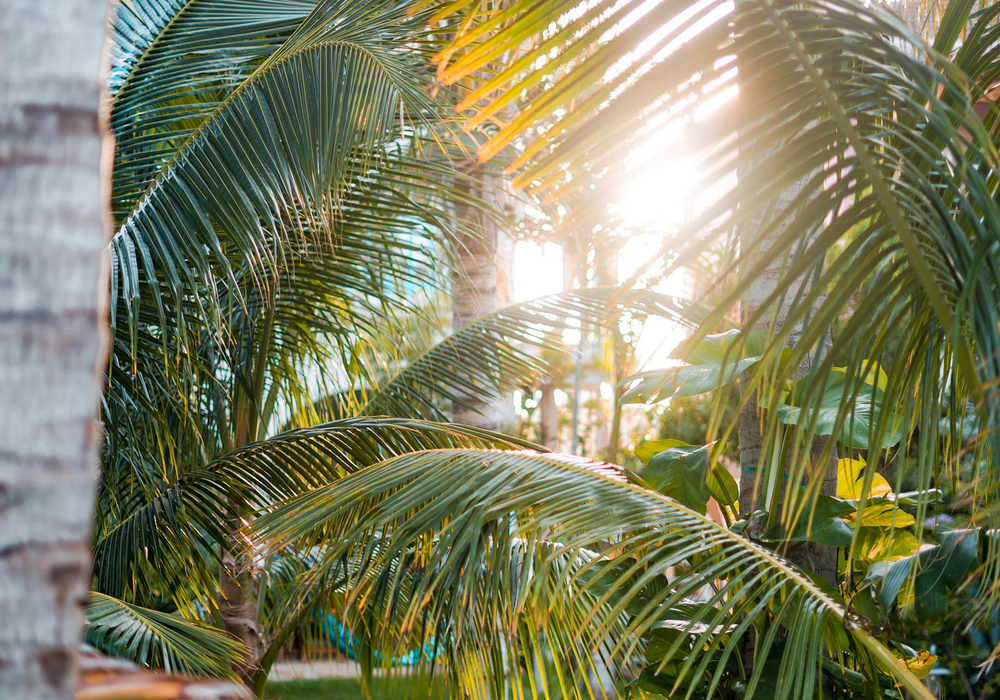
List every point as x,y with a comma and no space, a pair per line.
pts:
272,201
460,559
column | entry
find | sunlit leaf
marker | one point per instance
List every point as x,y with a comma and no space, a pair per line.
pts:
850,480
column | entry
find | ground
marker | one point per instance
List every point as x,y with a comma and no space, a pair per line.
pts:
399,688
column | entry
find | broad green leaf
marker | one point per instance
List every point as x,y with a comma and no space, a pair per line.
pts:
661,638
943,569
664,680
871,373
850,479
647,450
892,576
844,675
827,525
876,544
770,679
939,570
722,348
681,381
957,556
722,485
864,604
830,412
884,515
913,498
681,473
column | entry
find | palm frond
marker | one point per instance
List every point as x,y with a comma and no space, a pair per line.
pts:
159,640
434,531
174,63
177,533
312,108
866,178
388,255
499,353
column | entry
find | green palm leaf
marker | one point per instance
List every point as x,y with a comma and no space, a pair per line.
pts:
158,639
174,63
494,355
278,332
172,539
280,189
446,519
314,104
864,171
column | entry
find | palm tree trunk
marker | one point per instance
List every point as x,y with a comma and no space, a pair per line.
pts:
819,559
52,333
238,595
548,416
238,609
481,284
621,361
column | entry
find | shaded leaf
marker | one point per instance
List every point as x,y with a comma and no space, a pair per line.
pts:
825,523
680,472
158,639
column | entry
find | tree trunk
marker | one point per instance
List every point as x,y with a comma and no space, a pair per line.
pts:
481,284
818,559
238,595
621,360
53,340
238,609
548,416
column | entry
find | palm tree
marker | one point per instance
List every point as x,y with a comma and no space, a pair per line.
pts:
285,200
894,189
506,559
270,189
50,337
835,75
839,168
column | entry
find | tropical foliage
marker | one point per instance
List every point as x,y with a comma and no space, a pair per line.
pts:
287,198
287,195
283,200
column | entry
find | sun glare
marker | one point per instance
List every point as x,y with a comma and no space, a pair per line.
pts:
657,197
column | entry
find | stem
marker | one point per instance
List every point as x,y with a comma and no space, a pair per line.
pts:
277,642
260,371
773,482
961,673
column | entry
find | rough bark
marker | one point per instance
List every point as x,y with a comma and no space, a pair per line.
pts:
238,610
818,559
238,600
53,225
481,284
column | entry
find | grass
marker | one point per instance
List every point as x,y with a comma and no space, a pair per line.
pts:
398,688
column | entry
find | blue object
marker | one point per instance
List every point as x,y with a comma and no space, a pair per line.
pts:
350,646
